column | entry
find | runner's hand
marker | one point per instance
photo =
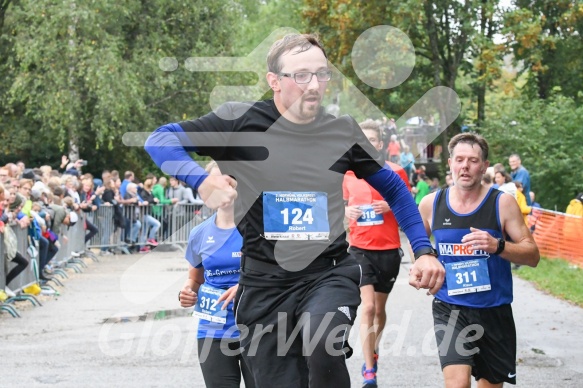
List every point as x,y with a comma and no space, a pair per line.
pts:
218,191
187,297
380,207
480,239
228,296
352,212
427,272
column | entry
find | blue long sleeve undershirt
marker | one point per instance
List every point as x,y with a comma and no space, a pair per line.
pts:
168,152
166,148
394,191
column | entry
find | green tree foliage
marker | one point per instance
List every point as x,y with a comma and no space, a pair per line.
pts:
545,37
450,37
82,73
547,135
261,18
340,23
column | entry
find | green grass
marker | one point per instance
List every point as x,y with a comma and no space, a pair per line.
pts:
557,277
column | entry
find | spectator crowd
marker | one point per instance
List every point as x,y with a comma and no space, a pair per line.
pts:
44,200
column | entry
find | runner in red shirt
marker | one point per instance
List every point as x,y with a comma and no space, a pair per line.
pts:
375,242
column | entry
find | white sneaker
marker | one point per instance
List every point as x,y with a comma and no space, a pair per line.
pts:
105,253
47,291
9,292
75,254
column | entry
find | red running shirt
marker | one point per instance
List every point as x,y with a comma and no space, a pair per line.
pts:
375,237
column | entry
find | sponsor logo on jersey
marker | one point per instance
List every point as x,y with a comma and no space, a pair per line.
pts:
210,240
447,221
460,250
236,254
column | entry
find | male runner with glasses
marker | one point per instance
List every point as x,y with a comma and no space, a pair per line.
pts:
299,288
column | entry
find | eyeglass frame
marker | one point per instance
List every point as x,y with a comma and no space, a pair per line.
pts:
293,76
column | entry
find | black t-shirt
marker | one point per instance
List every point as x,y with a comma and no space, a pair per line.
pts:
263,151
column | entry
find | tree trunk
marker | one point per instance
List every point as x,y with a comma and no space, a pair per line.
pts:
3,8
72,130
481,87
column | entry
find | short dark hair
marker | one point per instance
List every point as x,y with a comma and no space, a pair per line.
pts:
302,41
371,125
507,177
58,191
471,139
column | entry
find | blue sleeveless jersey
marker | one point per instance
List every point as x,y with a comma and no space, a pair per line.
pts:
448,228
219,252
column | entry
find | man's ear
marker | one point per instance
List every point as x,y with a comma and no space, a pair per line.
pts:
273,81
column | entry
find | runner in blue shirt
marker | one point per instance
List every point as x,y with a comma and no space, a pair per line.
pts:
214,255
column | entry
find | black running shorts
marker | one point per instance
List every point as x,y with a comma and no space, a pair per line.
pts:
484,338
379,268
297,336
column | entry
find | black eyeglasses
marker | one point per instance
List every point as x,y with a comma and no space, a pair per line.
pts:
305,77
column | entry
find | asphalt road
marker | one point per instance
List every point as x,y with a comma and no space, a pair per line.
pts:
119,324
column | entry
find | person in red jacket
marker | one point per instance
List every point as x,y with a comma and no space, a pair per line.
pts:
375,242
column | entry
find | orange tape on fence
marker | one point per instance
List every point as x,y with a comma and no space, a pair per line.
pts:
558,235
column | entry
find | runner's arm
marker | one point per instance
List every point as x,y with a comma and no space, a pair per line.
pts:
188,294
522,249
167,150
426,211
395,192
427,272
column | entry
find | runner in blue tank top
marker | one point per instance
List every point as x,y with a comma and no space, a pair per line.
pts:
478,232
214,255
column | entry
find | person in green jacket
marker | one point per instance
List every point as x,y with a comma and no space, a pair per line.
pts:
421,189
159,192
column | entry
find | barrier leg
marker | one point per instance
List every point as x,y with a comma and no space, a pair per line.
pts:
61,272
92,256
10,309
31,298
74,267
57,281
78,262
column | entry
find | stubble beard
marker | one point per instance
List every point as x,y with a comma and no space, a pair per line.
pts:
311,111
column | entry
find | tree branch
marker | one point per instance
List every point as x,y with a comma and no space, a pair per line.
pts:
432,33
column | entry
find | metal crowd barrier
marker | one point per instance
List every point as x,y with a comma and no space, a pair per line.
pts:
176,222
27,277
3,264
5,306
70,249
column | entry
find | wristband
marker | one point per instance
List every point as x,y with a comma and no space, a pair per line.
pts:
501,246
425,251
